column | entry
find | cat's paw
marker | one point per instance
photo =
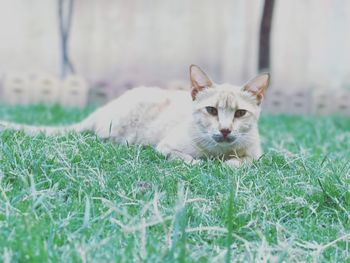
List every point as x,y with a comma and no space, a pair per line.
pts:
172,154
194,161
188,159
233,163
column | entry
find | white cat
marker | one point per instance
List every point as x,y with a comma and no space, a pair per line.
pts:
215,120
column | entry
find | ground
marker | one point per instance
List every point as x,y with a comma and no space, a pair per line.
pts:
76,198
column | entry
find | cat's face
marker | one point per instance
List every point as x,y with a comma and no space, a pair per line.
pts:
224,114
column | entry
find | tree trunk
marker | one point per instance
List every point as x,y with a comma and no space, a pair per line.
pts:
265,31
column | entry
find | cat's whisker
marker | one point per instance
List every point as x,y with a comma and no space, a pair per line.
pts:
204,142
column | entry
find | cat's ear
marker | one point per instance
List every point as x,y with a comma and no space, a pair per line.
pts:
199,80
257,86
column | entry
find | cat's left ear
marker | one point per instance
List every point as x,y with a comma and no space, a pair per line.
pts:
257,86
199,80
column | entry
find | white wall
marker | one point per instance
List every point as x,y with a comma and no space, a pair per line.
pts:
310,43
148,41
28,36
155,41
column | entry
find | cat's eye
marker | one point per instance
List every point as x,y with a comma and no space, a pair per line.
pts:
240,113
212,111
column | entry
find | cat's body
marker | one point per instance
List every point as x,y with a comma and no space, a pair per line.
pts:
177,125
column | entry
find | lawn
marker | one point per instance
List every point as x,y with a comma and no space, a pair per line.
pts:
76,198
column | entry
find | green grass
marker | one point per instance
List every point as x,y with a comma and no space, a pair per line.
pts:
76,198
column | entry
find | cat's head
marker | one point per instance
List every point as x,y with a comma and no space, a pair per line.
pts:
223,113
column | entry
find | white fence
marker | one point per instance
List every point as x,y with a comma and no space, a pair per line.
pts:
124,43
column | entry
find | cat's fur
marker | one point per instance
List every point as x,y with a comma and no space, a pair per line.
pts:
178,124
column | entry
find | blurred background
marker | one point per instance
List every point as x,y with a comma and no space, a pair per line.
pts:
75,51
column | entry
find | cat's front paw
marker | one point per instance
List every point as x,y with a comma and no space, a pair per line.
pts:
238,162
194,162
233,163
172,154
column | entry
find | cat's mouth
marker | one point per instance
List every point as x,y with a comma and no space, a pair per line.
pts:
222,139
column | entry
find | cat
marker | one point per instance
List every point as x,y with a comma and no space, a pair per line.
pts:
212,121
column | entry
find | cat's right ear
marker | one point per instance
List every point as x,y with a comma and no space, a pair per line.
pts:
257,86
199,80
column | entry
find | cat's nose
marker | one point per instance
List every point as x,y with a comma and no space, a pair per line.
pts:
225,132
